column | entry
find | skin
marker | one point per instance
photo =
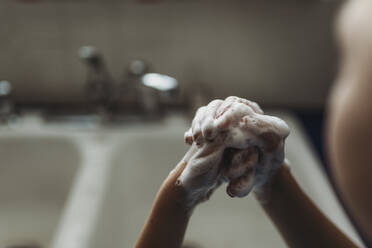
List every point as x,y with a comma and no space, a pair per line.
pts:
169,215
350,116
173,205
282,199
299,221
287,205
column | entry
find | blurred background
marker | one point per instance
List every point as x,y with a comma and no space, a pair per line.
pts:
266,49
87,87
278,54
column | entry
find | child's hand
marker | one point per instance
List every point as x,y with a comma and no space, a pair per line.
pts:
235,128
206,167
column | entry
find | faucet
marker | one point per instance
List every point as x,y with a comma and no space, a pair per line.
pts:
151,90
140,89
99,83
6,105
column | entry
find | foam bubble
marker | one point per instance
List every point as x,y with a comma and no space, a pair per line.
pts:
233,123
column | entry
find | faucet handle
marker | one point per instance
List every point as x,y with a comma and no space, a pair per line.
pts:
6,105
163,87
99,83
141,71
160,82
149,90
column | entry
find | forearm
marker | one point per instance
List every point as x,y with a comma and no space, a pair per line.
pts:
299,221
166,225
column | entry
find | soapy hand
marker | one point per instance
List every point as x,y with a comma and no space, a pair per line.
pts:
232,141
206,167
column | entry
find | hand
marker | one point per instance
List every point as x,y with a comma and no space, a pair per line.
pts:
239,128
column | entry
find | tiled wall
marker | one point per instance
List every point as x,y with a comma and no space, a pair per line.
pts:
276,52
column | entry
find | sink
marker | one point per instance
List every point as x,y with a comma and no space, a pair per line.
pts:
113,196
35,177
139,166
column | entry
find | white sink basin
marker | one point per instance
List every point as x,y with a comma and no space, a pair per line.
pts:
140,167
114,194
35,177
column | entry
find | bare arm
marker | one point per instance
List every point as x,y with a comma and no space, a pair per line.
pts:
166,225
297,218
173,205
299,221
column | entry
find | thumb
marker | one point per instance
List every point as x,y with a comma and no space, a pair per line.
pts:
241,172
241,186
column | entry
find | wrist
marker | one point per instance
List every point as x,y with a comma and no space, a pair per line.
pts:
264,193
176,195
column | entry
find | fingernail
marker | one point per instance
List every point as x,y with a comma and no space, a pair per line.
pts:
188,140
229,192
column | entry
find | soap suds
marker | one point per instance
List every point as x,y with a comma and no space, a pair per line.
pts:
239,124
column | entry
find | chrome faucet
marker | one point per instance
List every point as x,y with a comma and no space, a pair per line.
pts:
99,83
6,104
139,89
151,89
